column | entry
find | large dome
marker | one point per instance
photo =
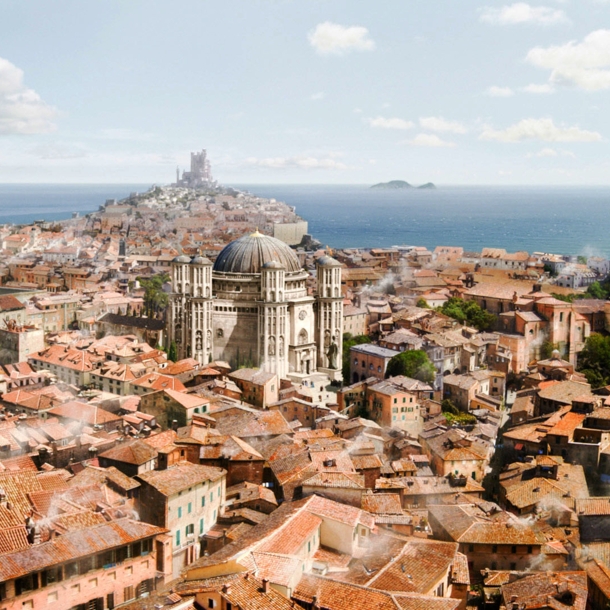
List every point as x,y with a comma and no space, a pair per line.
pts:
248,254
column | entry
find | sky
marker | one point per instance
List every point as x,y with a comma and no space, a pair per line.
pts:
306,91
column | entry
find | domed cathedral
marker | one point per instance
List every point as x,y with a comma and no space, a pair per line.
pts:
251,308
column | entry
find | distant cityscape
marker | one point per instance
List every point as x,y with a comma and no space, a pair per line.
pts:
204,407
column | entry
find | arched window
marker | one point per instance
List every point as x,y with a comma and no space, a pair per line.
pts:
303,337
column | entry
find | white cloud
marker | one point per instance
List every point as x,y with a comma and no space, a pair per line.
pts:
320,95
547,152
585,64
538,88
441,125
551,152
429,139
390,123
499,91
22,111
539,129
334,39
301,162
357,110
521,12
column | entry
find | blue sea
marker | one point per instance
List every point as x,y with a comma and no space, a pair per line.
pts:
24,203
567,220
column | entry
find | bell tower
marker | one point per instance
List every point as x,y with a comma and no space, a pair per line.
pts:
329,317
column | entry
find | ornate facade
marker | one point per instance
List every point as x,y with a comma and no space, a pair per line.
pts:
251,307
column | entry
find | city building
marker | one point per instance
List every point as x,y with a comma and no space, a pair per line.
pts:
252,307
185,499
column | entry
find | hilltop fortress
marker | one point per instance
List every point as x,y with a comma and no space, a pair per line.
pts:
200,175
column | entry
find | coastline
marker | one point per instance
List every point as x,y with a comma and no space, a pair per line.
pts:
566,220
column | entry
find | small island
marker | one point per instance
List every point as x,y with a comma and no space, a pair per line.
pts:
401,184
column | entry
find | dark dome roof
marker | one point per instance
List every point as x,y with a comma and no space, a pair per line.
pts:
248,254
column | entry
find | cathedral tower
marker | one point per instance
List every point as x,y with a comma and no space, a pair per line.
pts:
190,308
329,319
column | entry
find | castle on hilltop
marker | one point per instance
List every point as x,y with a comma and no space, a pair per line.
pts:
200,174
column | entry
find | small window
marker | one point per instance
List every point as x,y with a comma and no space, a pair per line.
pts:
494,548
513,549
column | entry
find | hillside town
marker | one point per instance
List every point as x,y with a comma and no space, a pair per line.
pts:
202,407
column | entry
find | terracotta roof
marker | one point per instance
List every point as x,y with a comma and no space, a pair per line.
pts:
547,589
246,424
593,506
13,539
418,568
188,401
341,480
467,528
94,475
563,391
136,453
334,595
73,545
383,503
85,412
158,381
245,592
568,423
289,540
9,303
180,477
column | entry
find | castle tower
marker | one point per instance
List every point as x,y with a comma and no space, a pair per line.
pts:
329,317
273,353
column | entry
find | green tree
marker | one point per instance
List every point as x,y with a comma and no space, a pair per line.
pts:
547,349
155,300
414,364
447,406
596,291
349,341
461,419
172,353
468,312
421,302
594,360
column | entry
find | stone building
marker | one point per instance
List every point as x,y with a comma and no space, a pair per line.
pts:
200,174
251,307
